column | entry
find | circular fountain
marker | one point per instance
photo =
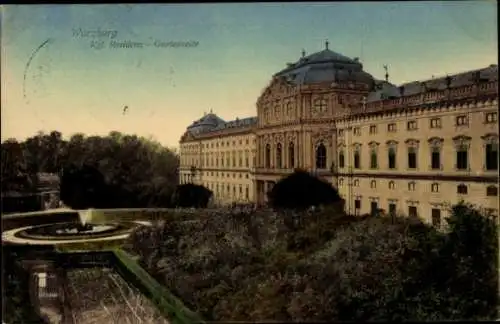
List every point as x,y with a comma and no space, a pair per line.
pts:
84,230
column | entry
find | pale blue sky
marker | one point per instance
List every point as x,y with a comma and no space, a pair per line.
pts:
72,87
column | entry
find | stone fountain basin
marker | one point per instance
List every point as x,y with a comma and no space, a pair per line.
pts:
70,232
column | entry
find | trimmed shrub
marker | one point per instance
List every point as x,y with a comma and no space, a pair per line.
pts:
191,195
300,191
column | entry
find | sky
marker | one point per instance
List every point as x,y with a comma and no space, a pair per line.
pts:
58,75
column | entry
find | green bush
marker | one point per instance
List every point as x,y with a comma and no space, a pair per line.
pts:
325,265
16,302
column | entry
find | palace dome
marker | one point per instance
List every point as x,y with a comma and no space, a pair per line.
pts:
207,123
325,66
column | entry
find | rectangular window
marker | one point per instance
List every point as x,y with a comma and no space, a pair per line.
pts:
436,217
461,120
373,160
392,159
436,123
436,160
373,129
412,211
357,131
462,189
341,132
462,159
357,162
391,127
357,204
491,157
412,159
411,125
341,160
491,118
374,208
392,209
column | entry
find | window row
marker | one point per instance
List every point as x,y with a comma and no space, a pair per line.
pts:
491,191
436,213
230,160
278,154
434,123
186,178
229,190
223,143
461,156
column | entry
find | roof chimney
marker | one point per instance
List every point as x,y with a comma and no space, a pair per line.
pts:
303,53
326,44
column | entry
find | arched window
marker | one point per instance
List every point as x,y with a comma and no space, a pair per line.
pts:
291,155
341,159
391,185
341,182
356,183
321,156
278,156
373,184
268,156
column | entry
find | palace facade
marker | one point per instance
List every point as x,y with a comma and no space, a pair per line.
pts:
413,148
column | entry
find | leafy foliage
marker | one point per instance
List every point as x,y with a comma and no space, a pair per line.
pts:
191,195
301,190
248,264
83,187
16,303
138,172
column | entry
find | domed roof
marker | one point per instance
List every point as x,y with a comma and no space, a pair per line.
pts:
206,123
325,66
210,119
327,55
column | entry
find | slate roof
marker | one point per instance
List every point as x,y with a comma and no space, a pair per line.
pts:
489,73
211,123
330,66
383,90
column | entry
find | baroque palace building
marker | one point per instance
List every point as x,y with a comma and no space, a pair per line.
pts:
413,148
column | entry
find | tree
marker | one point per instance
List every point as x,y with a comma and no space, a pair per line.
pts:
82,187
137,171
471,252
